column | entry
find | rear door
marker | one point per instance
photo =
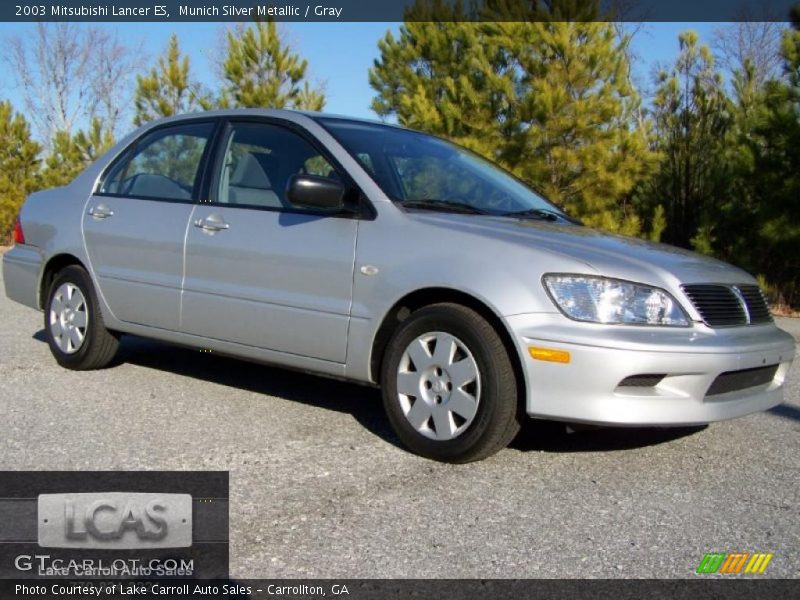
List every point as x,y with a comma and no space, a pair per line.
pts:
259,272
135,224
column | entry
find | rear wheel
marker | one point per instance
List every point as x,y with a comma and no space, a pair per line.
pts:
449,388
74,327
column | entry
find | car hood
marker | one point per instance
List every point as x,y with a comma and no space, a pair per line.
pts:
607,254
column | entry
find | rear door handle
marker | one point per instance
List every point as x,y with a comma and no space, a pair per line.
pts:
211,224
101,211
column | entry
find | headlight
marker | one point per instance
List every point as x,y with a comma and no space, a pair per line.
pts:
601,300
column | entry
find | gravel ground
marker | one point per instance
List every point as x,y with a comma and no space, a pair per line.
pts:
320,488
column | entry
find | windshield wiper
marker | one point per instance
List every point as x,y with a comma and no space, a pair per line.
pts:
443,205
541,214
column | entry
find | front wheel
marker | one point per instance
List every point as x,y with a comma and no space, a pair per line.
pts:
74,327
449,388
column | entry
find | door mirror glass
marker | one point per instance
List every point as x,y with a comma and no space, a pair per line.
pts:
315,193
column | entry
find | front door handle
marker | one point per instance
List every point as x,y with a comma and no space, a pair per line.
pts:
101,211
211,224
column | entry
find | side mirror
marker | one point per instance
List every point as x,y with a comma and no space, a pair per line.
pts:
315,193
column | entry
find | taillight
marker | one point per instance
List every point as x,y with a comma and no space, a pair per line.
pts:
19,236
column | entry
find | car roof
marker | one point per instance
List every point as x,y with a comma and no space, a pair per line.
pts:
278,113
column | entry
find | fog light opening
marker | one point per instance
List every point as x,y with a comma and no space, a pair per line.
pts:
642,380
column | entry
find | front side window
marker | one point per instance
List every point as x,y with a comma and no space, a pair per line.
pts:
259,159
164,165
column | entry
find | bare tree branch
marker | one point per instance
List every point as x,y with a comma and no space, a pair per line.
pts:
112,84
748,41
68,74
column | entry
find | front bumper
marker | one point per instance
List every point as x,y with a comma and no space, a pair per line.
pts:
21,270
587,388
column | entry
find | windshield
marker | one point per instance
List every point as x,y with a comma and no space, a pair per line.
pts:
420,171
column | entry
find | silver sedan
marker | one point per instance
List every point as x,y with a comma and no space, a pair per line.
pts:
377,254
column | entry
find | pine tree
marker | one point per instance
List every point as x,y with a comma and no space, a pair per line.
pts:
169,88
768,221
549,99
437,78
259,70
18,165
730,171
691,121
574,134
726,229
72,154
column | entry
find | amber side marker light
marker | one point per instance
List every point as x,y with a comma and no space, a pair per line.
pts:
549,354
19,236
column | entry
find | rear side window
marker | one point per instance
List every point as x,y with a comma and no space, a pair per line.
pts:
163,166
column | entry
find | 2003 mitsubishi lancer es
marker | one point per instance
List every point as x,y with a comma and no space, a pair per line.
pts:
382,255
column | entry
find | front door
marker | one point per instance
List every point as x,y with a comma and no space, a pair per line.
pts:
258,272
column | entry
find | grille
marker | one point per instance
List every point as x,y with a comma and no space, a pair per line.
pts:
720,306
732,381
756,304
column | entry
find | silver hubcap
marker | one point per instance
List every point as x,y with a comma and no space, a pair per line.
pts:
68,318
438,385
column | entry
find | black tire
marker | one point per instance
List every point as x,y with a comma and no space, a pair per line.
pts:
99,345
497,419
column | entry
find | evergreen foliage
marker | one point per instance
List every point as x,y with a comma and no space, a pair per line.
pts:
260,71
550,100
168,89
19,165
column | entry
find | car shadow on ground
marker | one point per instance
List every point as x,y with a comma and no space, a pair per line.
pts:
787,411
362,402
551,436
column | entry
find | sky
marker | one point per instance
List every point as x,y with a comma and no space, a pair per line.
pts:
339,55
